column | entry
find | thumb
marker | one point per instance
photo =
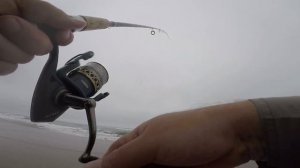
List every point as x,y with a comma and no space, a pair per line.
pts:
93,164
134,154
41,12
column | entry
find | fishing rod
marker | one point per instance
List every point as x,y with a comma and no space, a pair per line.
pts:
73,85
96,23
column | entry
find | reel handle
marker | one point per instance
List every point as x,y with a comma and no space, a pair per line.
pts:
89,105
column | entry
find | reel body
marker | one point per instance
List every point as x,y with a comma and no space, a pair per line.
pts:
71,86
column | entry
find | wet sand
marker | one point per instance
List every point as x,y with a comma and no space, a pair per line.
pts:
25,145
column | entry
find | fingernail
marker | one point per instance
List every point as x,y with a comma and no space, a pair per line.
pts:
79,21
78,18
67,38
66,35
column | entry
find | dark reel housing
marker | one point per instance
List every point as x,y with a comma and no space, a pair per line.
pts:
70,86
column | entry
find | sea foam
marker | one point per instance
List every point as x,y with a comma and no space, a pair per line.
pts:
81,130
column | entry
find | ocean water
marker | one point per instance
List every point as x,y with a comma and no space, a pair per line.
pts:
105,133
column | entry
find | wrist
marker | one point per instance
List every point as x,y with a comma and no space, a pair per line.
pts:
247,127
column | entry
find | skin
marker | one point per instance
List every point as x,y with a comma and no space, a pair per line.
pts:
28,28
222,136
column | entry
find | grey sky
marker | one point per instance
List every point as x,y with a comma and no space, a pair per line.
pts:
219,51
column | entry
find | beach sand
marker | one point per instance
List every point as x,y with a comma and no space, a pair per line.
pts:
24,145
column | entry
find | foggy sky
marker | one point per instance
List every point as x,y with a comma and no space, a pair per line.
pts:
218,51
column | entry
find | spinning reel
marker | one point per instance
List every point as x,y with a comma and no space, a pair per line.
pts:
71,86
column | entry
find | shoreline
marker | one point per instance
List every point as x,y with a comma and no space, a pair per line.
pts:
26,145
23,145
